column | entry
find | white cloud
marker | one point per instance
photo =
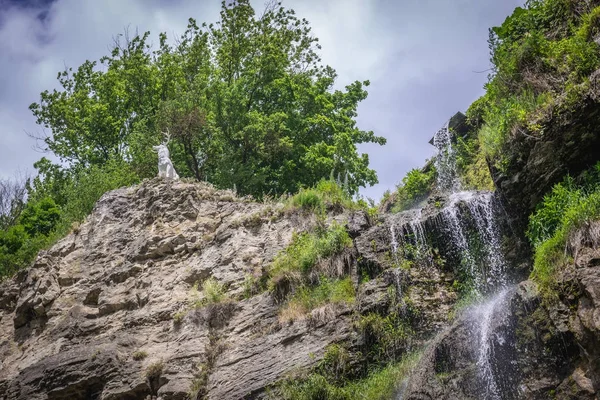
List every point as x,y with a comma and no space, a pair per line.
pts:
418,54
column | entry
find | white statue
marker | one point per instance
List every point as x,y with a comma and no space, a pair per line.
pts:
165,166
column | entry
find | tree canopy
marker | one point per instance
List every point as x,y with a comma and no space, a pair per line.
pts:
248,103
247,100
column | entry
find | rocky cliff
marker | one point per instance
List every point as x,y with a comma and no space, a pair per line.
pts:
114,310
122,308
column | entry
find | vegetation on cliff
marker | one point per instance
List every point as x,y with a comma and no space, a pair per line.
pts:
380,384
568,211
542,57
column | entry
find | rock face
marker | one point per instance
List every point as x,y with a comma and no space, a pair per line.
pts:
112,311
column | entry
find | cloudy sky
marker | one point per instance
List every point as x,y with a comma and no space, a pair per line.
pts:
421,57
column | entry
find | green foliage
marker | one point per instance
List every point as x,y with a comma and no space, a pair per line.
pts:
380,384
472,166
139,355
20,243
571,206
246,99
551,253
154,370
40,217
335,363
415,187
306,249
295,269
253,285
18,249
308,200
542,56
507,115
214,292
385,337
56,201
87,186
548,215
309,297
326,195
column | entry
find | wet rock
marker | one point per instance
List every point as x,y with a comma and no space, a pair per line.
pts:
539,349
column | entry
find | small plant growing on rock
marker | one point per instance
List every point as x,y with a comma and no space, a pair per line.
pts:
153,373
178,317
76,227
253,285
139,355
198,387
327,292
154,370
214,292
335,362
96,354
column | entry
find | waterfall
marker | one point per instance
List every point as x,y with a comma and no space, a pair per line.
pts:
490,273
482,211
445,162
394,241
457,235
418,232
485,316
467,229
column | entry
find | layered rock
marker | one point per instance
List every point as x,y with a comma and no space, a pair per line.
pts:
112,311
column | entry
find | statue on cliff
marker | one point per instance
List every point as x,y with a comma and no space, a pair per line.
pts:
165,166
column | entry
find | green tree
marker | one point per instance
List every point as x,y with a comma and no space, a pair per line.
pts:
247,101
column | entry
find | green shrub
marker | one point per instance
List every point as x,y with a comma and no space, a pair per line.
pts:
335,363
570,207
20,243
139,355
214,292
415,187
307,298
154,370
89,185
548,215
253,285
326,195
380,384
472,166
385,337
40,217
505,113
542,57
308,200
305,250
179,316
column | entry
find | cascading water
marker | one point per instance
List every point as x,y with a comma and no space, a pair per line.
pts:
445,161
468,221
489,272
482,210
394,242
483,316
418,232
